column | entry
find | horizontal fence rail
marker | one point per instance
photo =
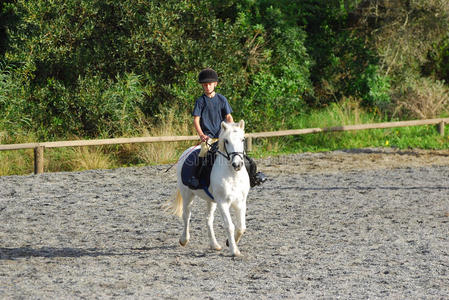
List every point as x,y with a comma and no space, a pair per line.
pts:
40,147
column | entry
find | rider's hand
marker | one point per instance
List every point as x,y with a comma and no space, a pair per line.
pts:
204,137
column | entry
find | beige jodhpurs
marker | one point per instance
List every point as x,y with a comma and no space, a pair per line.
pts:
205,146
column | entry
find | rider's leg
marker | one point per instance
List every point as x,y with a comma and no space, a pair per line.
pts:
255,178
194,182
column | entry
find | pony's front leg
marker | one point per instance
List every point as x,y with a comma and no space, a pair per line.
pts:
229,226
241,220
240,209
186,205
211,206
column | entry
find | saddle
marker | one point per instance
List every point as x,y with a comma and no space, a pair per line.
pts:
192,162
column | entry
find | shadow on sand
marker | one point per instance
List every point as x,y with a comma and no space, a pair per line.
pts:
51,252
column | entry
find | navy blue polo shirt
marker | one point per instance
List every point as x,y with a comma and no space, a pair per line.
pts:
212,111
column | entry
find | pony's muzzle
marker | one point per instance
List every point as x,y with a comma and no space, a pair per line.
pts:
237,165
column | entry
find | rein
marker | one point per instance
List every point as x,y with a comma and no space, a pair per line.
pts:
187,154
230,156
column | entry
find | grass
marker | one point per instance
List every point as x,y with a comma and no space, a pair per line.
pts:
422,137
345,113
16,162
348,113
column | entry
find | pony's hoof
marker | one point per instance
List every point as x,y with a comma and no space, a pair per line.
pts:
237,254
183,243
216,247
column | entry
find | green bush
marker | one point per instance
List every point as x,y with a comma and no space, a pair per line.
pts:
438,64
110,107
374,88
14,107
99,67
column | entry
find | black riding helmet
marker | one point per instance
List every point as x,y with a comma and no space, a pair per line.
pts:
207,75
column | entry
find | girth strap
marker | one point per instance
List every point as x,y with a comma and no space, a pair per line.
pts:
206,190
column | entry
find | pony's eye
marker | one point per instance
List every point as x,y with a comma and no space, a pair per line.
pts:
226,142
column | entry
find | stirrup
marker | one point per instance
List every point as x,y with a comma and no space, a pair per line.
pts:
258,179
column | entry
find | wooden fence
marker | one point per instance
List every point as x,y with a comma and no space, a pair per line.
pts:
40,147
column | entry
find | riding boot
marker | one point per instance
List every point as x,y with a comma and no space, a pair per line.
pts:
255,178
194,182
259,178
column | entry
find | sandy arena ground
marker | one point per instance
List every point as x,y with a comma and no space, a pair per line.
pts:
356,224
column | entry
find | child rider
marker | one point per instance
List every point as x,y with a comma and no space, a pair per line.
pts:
209,111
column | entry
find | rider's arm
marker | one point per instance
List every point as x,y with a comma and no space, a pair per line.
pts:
229,118
196,123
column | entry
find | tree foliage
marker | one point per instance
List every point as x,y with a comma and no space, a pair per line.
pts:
101,67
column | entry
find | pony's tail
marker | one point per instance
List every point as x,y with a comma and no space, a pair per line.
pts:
173,206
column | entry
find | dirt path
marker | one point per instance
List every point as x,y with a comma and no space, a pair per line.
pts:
354,224
354,160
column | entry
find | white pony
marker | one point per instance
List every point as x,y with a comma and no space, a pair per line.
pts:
229,186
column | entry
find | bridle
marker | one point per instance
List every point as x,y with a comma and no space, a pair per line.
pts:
231,155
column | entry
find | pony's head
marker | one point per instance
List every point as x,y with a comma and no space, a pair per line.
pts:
231,143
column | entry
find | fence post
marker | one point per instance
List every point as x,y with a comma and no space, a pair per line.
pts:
39,160
441,128
249,144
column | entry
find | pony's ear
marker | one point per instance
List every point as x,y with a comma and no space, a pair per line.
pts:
242,124
224,126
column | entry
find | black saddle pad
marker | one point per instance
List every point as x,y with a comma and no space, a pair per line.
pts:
188,170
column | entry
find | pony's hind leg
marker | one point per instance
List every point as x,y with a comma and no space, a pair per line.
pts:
187,197
211,206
